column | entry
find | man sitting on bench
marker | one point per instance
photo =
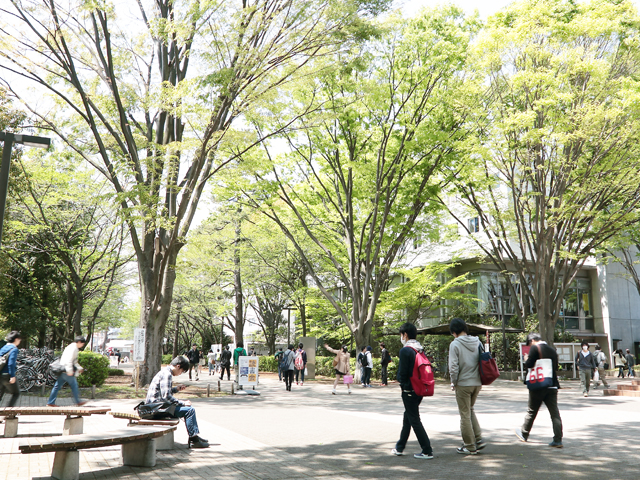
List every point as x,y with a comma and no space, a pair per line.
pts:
162,390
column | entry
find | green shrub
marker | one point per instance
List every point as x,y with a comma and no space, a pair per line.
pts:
166,359
96,369
268,363
115,372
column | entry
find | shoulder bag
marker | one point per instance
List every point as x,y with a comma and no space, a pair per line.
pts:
541,375
487,366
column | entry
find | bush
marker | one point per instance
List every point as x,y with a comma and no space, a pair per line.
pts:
96,369
268,363
166,359
115,372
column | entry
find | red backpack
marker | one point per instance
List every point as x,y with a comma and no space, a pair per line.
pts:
422,379
298,363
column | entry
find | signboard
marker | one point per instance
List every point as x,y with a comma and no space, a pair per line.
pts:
248,371
566,355
139,341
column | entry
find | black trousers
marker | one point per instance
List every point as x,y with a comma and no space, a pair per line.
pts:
367,376
384,374
548,396
192,366
411,420
12,389
226,367
288,378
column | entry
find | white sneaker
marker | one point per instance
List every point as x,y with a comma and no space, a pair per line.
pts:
334,391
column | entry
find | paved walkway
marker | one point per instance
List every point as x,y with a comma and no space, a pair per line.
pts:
310,434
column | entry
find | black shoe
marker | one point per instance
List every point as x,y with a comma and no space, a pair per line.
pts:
197,442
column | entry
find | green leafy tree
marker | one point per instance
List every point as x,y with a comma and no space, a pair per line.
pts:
554,168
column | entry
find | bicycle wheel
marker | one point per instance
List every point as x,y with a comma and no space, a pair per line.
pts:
26,378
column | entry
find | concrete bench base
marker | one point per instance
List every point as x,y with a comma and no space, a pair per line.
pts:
166,442
139,454
10,427
66,465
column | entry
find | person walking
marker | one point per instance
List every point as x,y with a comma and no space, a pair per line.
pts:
368,367
630,364
69,360
411,401
288,358
341,365
464,354
385,360
300,363
619,362
548,396
278,357
217,359
8,381
602,373
362,362
585,363
211,360
161,390
237,353
194,360
225,363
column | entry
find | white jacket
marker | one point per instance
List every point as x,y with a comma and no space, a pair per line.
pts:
69,359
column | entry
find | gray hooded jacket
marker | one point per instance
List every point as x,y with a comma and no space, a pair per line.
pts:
463,361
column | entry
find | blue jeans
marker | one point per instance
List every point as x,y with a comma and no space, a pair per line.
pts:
279,372
212,368
189,415
62,379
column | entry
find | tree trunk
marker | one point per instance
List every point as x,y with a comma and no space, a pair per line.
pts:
237,277
176,337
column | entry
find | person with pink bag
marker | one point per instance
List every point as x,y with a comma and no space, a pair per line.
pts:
341,365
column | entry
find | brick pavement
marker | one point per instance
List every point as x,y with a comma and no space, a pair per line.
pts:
311,434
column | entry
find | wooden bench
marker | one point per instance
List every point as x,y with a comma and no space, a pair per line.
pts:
162,443
138,448
73,424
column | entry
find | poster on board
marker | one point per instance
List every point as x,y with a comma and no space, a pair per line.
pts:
248,371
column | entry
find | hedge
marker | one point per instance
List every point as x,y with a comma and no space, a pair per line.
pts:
96,369
115,372
166,359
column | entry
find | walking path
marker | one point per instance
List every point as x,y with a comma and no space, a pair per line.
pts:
310,434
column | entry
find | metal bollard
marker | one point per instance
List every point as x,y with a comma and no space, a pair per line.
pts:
42,390
232,385
219,385
93,391
208,389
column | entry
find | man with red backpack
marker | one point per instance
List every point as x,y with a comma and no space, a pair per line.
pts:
410,399
464,357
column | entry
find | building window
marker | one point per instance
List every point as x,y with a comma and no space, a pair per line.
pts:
576,311
474,225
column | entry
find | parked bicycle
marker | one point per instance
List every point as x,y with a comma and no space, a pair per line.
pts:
33,368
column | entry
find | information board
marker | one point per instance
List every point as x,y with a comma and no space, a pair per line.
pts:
248,371
139,341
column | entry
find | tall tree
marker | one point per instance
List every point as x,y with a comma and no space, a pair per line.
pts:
555,163
360,172
130,104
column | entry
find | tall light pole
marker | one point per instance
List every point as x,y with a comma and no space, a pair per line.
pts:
9,139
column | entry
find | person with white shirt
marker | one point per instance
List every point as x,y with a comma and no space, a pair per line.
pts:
69,360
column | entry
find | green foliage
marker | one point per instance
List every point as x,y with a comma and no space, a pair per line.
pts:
96,369
116,372
268,363
166,359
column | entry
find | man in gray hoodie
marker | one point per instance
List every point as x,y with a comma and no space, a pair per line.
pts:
464,355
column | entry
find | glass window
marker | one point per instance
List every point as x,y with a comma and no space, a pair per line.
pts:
474,225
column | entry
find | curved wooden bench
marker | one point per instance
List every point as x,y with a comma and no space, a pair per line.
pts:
138,448
73,424
164,443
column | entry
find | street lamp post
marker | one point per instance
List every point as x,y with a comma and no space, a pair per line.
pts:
9,139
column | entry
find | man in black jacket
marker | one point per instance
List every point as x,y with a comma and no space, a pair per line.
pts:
549,395
411,401
194,361
225,363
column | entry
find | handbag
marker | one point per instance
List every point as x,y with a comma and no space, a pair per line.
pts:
56,368
155,410
487,366
4,359
541,375
347,379
335,362
596,375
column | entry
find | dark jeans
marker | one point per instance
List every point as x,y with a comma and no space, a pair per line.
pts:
384,374
228,369
550,398
189,415
196,366
411,420
12,389
279,372
300,373
621,371
288,378
367,376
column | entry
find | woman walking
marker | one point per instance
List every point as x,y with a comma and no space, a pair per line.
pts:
288,359
341,365
619,362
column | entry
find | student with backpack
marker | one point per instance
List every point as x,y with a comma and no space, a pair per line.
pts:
278,357
464,357
287,366
8,360
368,367
412,355
362,361
300,363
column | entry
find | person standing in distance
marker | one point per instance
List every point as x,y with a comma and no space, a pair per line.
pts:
464,353
8,380
385,359
411,401
194,361
288,358
225,363
586,363
547,395
69,360
630,364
